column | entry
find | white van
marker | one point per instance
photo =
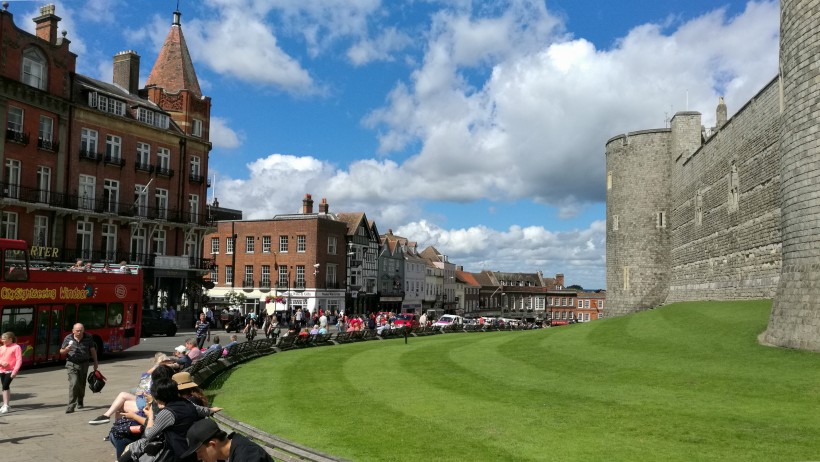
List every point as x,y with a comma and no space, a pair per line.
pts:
449,320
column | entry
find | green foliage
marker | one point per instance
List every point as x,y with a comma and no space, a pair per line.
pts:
236,299
683,382
575,287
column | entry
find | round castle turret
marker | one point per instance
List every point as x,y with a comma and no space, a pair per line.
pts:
795,319
637,245
638,232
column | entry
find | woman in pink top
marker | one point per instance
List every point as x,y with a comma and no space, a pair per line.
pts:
10,361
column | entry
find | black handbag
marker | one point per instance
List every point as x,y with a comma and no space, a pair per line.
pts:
96,381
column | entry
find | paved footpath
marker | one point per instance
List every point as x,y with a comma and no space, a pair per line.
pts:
37,427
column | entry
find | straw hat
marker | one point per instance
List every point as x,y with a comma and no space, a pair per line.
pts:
183,380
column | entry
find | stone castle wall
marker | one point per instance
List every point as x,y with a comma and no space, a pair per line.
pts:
720,196
719,251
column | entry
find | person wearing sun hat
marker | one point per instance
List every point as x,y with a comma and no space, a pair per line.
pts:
212,444
189,389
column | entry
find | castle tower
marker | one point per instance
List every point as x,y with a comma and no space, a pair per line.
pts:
639,230
637,243
795,319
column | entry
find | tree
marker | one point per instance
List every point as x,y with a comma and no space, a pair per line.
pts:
575,287
236,299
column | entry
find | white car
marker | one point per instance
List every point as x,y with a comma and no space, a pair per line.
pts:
448,320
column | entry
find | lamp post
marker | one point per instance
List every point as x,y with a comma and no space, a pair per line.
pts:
503,301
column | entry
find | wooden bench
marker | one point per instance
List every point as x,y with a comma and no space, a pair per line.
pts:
342,337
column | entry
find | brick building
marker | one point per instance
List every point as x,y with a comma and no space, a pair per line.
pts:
100,171
299,258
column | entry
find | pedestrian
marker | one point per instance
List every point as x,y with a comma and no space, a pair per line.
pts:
11,358
212,444
172,314
80,349
203,331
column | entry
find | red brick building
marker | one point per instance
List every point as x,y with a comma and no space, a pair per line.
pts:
299,258
102,171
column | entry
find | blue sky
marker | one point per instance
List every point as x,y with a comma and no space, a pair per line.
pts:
474,126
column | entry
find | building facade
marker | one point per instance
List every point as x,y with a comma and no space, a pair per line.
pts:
299,259
114,173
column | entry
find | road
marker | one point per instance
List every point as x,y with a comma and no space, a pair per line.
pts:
37,427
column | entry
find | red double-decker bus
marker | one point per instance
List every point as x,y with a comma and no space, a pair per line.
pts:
41,305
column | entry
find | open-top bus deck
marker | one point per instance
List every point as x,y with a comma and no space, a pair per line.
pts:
41,304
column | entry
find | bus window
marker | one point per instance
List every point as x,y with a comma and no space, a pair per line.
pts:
115,315
70,317
14,265
18,319
92,315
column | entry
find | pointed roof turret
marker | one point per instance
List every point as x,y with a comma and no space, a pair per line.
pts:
174,71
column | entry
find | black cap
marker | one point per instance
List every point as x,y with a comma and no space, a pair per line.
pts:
200,433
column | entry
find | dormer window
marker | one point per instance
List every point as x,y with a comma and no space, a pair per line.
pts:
34,68
106,103
156,119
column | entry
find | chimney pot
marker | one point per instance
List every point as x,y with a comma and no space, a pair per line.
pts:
46,24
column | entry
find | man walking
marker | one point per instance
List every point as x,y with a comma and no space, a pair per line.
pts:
203,331
80,349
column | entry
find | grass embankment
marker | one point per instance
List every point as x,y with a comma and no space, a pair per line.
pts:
683,382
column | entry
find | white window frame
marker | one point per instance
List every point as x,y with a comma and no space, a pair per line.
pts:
283,244
111,195
141,200
86,192
265,244
301,243
250,244
161,202
228,274
195,166
109,241
15,118
229,245
143,154
40,236
193,208
138,243
113,148
34,69
85,239
214,245
163,159
196,128
8,225
332,245
88,141
12,177
45,132
160,242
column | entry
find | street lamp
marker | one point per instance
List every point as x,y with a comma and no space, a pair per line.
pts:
503,301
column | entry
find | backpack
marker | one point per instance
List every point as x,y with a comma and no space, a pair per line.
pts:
96,381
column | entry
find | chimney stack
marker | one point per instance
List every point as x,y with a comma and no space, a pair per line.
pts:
307,205
46,24
127,70
323,206
559,280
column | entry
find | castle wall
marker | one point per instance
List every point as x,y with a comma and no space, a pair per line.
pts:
720,251
637,251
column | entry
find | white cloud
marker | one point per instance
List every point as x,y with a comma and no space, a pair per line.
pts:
379,48
223,136
548,107
577,253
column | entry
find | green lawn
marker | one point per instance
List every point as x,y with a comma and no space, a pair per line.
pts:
683,382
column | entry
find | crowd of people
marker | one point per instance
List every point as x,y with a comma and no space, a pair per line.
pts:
166,416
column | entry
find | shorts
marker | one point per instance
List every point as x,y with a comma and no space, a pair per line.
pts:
5,379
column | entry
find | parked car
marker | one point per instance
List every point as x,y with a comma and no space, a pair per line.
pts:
448,320
154,324
410,320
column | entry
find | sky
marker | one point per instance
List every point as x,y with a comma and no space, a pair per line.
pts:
477,127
